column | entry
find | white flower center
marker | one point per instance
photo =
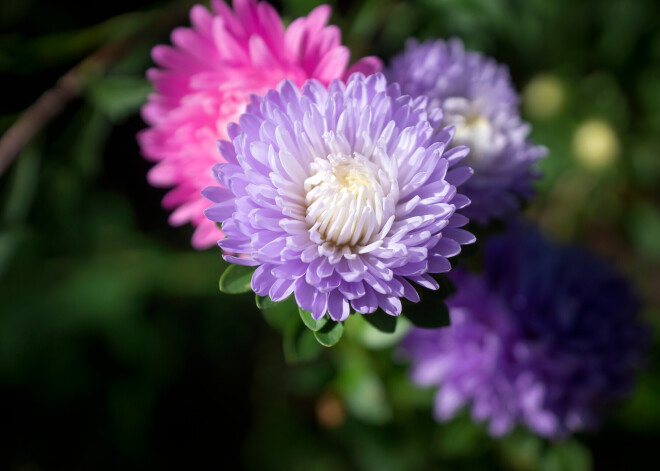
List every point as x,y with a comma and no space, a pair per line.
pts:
347,199
472,129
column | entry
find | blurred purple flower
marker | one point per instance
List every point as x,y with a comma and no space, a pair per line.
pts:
342,196
546,337
478,98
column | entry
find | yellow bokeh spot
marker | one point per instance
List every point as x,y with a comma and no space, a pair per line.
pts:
543,97
595,144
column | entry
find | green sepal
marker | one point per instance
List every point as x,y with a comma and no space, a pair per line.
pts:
236,279
264,302
310,322
277,314
330,333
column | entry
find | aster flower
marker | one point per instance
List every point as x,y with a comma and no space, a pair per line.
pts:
546,337
204,82
478,98
342,196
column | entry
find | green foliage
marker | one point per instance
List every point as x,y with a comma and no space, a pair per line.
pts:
372,337
20,195
299,327
567,456
119,97
382,321
362,388
430,313
311,323
330,333
276,314
522,451
645,230
236,279
300,343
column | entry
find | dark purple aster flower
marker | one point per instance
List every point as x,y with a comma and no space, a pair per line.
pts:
478,98
546,337
342,196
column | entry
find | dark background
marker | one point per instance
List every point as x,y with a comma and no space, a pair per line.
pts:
118,351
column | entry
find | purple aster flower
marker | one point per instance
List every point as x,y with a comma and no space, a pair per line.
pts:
546,337
343,196
478,98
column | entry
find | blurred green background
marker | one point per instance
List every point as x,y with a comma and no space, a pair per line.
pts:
118,351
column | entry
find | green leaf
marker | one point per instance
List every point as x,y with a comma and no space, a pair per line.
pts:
330,333
8,242
430,313
645,230
373,338
447,288
521,451
236,279
299,343
567,456
460,438
22,189
263,302
92,131
364,391
22,186
118,97
277,315
381,321
310,322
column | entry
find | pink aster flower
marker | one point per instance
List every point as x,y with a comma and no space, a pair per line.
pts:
204,82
